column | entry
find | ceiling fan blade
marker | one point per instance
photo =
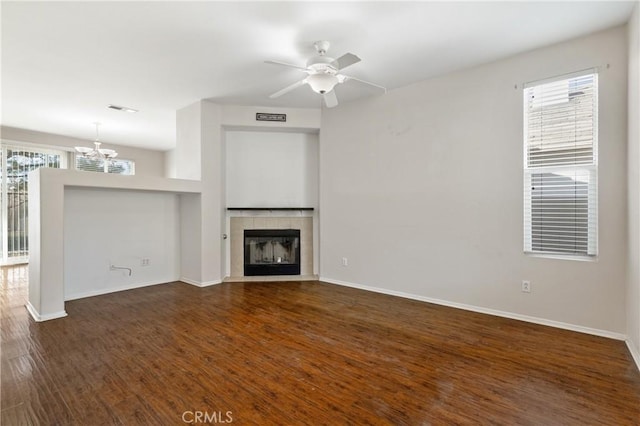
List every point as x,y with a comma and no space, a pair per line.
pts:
330,99
284,64
348,77
288,89
345,60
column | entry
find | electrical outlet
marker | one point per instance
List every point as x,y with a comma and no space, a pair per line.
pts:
345,261
145,261
526,286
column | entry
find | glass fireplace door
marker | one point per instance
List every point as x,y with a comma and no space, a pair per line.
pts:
271,252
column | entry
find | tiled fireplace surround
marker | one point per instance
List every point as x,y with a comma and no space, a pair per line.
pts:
239,224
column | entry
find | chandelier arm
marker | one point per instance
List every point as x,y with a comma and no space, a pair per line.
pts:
96,152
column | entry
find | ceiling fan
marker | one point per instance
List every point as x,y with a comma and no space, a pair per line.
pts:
323,74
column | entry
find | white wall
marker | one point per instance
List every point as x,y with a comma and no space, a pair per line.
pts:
200,154
47,230
271,169
148,162
633,291
114,227
183,162
212,200
421,189
244,117
190,239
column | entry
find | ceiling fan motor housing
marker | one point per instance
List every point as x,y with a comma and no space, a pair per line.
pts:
321,64
322,46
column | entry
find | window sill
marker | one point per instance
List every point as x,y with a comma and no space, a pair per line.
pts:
562,256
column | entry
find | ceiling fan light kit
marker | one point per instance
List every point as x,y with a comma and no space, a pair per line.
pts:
323,74
322,83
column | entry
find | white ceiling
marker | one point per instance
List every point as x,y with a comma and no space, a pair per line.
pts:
62,63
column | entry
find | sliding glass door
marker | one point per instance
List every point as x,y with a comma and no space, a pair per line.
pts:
15,165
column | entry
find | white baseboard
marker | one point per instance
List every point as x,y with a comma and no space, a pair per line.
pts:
108,290
200,284
634,352
39,318
482,310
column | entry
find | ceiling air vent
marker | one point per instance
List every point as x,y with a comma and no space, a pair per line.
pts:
121,108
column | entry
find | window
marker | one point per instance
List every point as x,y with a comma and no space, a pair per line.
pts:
118,166
15,165
561,166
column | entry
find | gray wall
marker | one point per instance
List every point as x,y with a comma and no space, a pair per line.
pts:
422,190
271,169
133,225
633,294
148,162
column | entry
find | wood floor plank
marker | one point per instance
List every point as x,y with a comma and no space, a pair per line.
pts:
299,353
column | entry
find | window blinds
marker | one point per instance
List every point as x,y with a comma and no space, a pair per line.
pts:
122,167
560,170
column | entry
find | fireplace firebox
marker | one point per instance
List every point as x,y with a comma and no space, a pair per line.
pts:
271,252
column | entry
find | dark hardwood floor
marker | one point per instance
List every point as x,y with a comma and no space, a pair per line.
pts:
299,353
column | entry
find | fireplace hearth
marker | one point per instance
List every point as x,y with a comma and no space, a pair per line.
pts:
271,252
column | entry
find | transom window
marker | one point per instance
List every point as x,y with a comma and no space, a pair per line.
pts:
115,166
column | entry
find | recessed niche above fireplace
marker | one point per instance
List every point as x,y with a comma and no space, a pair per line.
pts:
271,252
271,169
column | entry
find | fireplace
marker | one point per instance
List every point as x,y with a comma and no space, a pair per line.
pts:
271,252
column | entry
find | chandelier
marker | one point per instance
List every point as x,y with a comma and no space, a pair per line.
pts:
96,153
